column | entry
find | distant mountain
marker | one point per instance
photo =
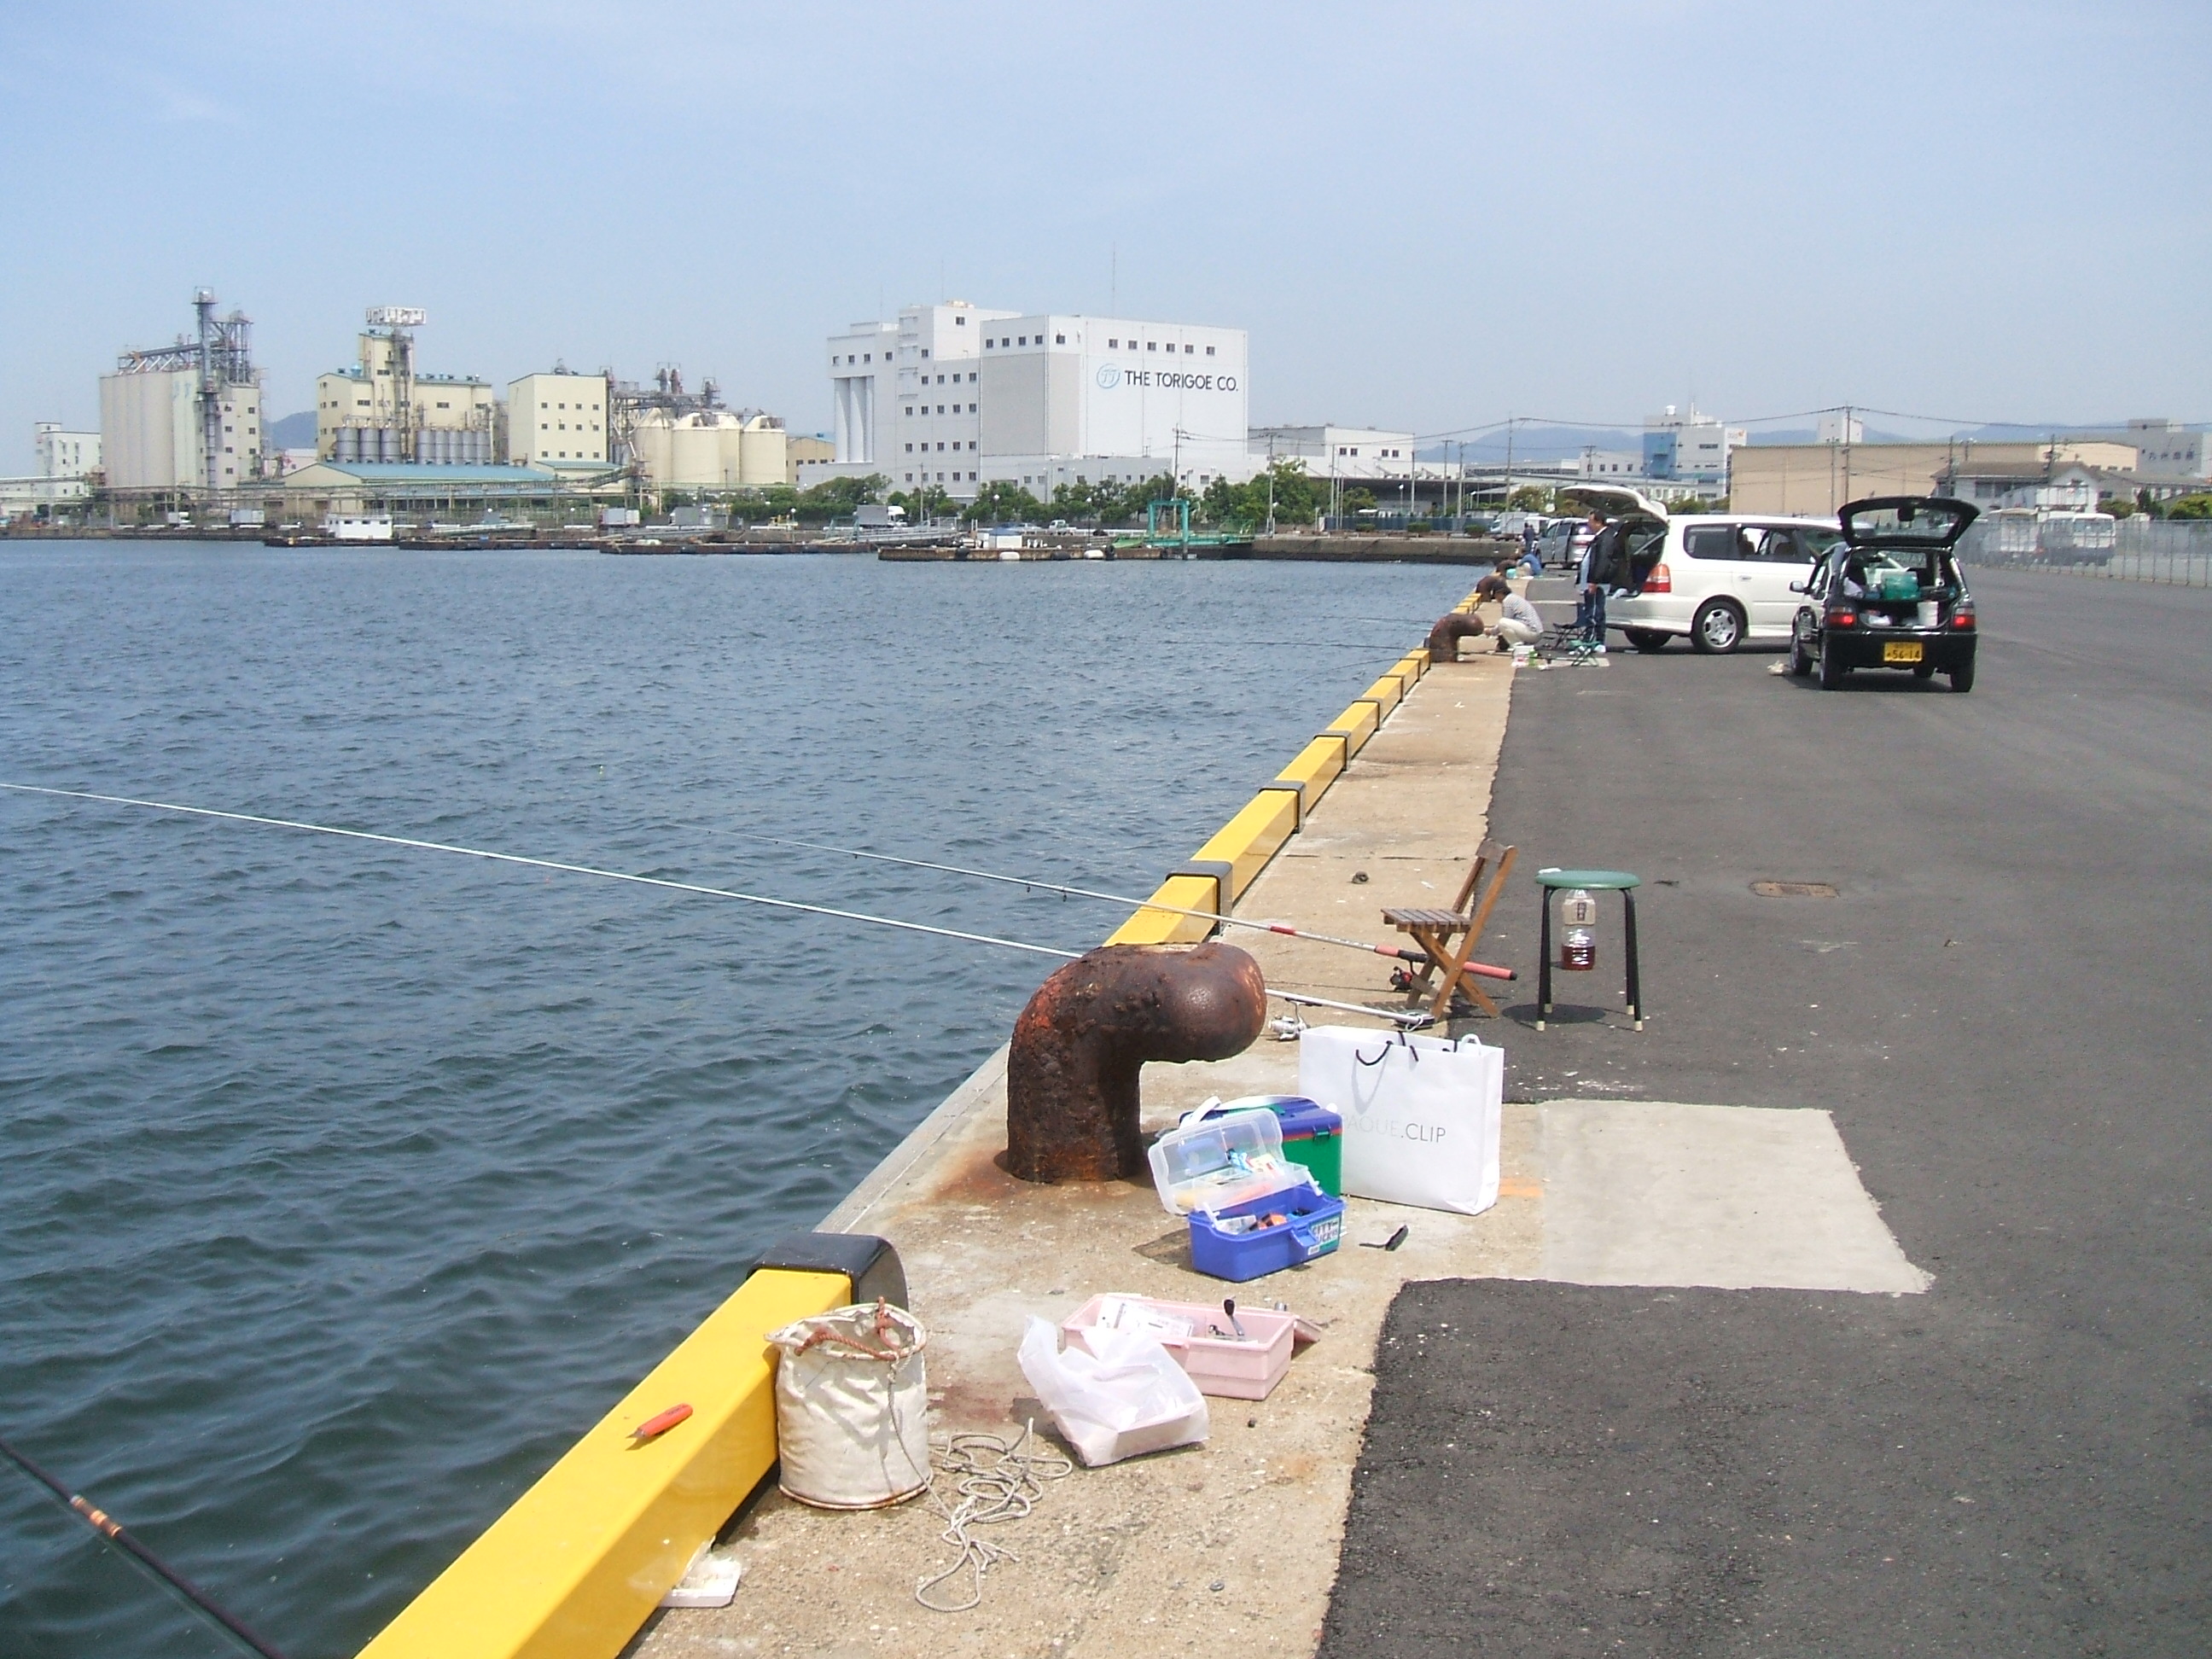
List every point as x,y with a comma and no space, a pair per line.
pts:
1534,444
292,432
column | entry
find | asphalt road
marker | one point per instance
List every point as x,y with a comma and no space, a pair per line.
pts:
2005,1008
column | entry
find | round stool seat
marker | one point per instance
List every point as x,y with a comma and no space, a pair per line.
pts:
1612,881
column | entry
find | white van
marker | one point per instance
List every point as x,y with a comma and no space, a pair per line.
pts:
1716,578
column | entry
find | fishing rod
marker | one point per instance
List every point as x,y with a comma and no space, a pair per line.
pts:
111,1529
1399,952
416,845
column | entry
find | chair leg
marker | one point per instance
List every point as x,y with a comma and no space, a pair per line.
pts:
1635,982
1544,962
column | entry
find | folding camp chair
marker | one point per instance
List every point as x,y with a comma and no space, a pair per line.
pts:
1436,931
1576,644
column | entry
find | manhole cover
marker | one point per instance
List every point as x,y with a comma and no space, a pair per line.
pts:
1793,889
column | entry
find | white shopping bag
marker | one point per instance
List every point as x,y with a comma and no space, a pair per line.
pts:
1420,1113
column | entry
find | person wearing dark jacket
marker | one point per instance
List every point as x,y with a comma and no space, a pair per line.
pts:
1598,559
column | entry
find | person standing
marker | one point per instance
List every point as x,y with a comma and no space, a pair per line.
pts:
1589,608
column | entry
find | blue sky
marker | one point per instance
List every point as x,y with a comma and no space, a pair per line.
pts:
1427,217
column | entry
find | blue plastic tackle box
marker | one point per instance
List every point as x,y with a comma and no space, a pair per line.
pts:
1314,1225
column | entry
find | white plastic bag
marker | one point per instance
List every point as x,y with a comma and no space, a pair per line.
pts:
1127,1398
1420,1114
852,1407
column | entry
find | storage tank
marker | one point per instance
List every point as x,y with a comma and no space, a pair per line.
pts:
345,444
653,442
698,460
757,456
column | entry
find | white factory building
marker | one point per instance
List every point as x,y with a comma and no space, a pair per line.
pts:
185,415
1335,451
955,396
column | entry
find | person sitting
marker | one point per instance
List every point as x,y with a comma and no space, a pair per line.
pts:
1518,622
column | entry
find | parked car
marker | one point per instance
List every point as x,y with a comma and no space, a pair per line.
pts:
1718,580
1891,594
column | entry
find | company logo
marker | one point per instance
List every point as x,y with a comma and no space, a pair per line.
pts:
1111,375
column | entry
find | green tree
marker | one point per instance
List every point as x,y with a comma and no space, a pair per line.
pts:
1356,502
923,504
2196,506
1531,498
1003,502
836,498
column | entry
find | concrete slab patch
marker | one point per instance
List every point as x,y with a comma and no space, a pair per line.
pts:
1734,1197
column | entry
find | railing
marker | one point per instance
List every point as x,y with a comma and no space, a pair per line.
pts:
2174,552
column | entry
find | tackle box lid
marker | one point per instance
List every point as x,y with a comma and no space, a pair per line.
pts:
1301,1119
1222,1160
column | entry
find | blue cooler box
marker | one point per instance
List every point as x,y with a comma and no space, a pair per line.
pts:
1315,1227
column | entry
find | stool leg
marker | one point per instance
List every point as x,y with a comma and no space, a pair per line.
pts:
1544,960
1635,984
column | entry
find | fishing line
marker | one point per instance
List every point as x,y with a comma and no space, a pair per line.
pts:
111,1529
1393,950
420,846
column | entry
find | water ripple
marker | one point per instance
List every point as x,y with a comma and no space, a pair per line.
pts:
346,1185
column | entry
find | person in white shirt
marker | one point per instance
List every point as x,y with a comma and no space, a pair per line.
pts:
1518,622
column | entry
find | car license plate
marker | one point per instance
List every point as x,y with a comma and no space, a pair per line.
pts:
1901,651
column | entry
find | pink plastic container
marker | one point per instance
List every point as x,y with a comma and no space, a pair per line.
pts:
1220,1365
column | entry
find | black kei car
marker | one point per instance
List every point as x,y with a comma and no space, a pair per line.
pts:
1890,595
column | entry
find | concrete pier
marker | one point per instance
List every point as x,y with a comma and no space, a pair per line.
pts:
1237,1540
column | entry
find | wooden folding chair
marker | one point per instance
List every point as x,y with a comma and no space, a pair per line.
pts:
1436,931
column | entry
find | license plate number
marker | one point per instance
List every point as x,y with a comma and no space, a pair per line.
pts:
1901,651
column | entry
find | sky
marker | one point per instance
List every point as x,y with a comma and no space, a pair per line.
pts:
1428,217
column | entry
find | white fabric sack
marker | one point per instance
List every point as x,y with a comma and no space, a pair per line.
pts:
1420,1113
1126,1398
852,1407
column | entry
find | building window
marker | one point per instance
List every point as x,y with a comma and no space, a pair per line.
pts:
1060,339
1023,340
1113,345
909,476
959,322
1152,346
1188,350
1209,351
909,449
925,351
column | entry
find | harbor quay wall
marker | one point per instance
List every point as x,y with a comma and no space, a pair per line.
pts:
576,1566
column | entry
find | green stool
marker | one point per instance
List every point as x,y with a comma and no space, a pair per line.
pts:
1614,881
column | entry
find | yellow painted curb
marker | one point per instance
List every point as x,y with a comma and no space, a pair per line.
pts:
580,1560
1248,841
1164,927
1356,725
1314,767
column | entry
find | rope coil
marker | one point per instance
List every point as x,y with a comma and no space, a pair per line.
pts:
997,1483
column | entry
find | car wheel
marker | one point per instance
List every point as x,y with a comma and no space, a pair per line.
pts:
1832,673
1644,640
1923,670
1962,677
1717,628
1801,656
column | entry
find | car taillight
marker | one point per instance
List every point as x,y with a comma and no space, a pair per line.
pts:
1962,614
1843,618
1659,582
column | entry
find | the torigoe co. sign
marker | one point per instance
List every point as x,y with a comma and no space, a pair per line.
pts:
1111,375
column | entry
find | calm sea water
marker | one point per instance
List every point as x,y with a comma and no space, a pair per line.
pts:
343,1186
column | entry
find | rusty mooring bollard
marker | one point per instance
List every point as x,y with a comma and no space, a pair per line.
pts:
1451,629
1071,1076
